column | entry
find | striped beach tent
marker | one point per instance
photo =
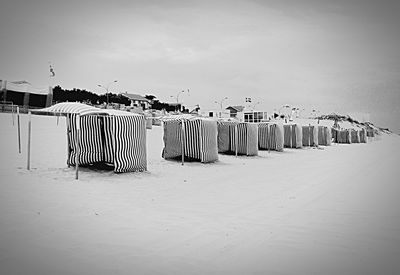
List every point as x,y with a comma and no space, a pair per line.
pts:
324,136
104,136
370,132
190,137
293,136
270,136
355,136
310,135
341,136
363,135
238,138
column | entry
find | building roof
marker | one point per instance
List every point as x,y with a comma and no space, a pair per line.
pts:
135,97
236,108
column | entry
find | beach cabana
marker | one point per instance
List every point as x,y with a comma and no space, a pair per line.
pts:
370,132
310,135
191,138
324,136
363,135
341,136
240,138
293,136
355,136
106,136
270,136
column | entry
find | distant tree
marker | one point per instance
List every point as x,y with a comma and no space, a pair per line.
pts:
150,97
61,95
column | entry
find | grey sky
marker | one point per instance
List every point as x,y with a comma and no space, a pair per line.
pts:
331,55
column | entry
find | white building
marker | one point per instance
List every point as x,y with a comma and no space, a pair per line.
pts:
215,113
137,100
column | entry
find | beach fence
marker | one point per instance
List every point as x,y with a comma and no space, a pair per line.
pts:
310,135
105,136
238,138
190,138
324,136
270,136
293,136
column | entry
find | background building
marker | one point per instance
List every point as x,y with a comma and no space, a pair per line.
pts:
22,93
137,100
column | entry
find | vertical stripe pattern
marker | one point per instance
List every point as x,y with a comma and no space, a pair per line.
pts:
200,139
363,136
341,136
310,135
119,140
90,141
247,138
324,136
270,136
293,136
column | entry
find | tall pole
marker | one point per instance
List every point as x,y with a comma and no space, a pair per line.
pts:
77,152
29,141
220,104
236,140
19,131
107,87
12,112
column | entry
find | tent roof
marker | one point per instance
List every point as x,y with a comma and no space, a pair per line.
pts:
184,116
236,108
81,109
135,97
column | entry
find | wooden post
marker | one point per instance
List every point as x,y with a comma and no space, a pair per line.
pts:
19,131
236,140
68,140
29,141
12,113
309,137
268,137
290,136
58,117
78,135
183,141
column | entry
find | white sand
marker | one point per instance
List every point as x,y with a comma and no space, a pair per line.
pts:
308,211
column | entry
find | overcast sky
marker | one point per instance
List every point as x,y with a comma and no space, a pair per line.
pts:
340,55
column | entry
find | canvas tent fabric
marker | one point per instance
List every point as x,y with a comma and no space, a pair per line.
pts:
355,136
65,108
106,136
363,135
270,136
310,135
293,136
247,138
341,136
370,132
198,135
324,136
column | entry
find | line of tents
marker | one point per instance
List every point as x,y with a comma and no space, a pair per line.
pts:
119,138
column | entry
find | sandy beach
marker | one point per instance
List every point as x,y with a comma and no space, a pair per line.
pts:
333,210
